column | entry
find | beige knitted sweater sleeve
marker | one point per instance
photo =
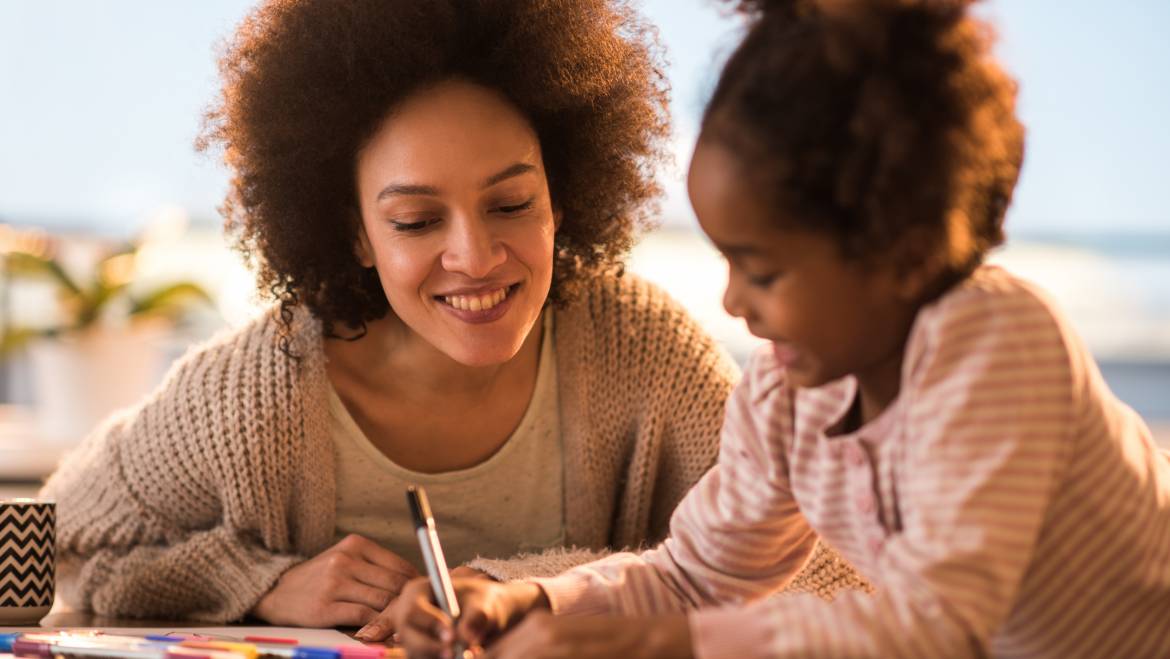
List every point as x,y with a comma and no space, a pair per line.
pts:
176,508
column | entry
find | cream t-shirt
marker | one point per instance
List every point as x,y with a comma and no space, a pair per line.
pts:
511,503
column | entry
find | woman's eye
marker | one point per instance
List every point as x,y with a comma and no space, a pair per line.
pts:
408,227
515,208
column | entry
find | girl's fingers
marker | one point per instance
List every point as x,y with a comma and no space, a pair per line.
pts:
420,644
473,626
419,614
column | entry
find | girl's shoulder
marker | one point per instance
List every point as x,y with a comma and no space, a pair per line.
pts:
993,297
994,314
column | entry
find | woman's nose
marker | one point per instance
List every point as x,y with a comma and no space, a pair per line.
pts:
471,249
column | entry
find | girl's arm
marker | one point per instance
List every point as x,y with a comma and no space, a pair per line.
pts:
736,536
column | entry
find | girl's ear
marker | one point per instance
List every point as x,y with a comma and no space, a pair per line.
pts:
558,215
911,284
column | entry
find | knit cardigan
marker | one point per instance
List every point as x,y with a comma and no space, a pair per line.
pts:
194,502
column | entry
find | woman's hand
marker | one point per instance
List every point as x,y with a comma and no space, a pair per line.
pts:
487,607
544,636
345,585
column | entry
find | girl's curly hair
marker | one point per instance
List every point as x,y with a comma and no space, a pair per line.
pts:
884,123
307,82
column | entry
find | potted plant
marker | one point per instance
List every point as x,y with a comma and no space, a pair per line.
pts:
101,351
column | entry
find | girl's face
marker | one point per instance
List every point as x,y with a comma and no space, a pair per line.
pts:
827,317
456,218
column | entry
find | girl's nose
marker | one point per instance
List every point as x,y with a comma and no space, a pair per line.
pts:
732,297
471,249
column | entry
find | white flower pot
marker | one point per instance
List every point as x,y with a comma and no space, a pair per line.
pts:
81,378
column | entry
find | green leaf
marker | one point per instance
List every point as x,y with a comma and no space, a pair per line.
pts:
16,338
170,297
92,302
22,263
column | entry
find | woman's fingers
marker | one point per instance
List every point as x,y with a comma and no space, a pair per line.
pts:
378,576
355,592
375,553
347,614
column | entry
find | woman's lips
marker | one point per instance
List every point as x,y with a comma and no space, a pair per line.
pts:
484,307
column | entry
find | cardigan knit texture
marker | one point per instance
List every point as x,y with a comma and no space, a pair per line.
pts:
192,503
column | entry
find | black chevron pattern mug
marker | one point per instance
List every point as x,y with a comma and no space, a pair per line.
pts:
28,530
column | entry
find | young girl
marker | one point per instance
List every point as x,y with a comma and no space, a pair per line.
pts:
933,419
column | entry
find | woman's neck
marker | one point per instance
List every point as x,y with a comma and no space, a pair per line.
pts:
390,355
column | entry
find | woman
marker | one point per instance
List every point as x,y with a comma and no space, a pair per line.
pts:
437,197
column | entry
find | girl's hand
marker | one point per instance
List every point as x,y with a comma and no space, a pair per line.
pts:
487,607
345,585
544,636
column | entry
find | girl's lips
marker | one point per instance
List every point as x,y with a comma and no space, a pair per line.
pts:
483,315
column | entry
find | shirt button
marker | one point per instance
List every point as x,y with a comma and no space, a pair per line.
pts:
865,503
875,544
856,456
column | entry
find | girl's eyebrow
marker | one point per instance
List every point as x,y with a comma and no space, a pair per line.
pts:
415,189
738,250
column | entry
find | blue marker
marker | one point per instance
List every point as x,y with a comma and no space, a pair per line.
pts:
6,641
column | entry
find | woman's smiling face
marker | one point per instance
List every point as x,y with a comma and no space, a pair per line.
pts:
457,219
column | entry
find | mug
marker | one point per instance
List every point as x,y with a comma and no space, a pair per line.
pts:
28,530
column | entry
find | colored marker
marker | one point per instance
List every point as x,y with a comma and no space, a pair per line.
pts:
49,649
282,650
268,640
6,641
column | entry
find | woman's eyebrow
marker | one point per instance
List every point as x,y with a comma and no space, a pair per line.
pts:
409,189
512,170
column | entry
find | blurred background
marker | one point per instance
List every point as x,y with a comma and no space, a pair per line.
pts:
108,217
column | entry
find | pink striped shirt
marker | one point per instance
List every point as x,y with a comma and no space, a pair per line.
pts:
1005,504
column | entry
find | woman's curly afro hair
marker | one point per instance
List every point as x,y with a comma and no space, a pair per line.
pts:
307,82
885,124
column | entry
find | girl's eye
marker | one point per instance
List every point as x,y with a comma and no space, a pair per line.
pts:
407,227
763,281
517,208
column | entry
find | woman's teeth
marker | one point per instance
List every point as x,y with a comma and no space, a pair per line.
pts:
476,302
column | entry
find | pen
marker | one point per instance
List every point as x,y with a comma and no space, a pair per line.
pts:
432,551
